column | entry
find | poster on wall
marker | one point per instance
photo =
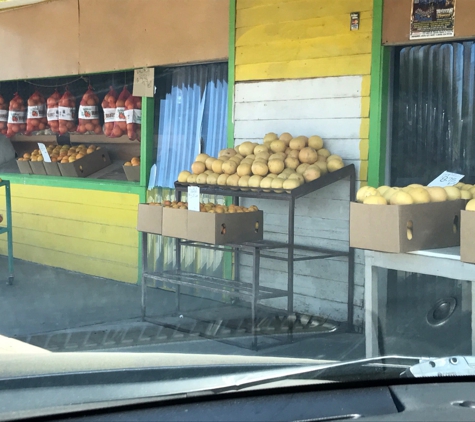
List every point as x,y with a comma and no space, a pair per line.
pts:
432,19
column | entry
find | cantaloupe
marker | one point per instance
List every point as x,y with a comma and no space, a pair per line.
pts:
183,176
316,142
202,179
228,152
217,166
276,166
212,179
201,158
278,146
308,155
244,169
259,168
209,163
246,148
198,167
229,167
297,143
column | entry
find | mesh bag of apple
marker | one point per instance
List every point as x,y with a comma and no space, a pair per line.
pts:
52,111
133,116
89,113
108,106
67,113
3,116
36,120
280,163
16,116
120,121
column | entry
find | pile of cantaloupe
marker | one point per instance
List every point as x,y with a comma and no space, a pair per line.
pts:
413,194
280,163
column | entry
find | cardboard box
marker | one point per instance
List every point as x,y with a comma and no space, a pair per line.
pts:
132,173
467,236
87,165
221,229
52,169
150,219
38,167
385,227
24,167
175,223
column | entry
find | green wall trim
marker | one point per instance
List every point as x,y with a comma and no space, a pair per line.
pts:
378,101
231,70
74,183
146,147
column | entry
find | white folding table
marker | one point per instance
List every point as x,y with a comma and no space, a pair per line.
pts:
444,262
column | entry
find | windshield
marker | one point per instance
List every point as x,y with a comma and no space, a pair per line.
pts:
288,179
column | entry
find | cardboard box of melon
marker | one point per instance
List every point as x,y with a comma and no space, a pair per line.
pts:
214,224
405,219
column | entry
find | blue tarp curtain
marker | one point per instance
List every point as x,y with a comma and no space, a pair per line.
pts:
192,119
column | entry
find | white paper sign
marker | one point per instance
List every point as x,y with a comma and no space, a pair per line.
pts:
153,176
447,179
194,198
44,153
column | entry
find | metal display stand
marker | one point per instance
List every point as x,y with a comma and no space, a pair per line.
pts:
253,291
8,228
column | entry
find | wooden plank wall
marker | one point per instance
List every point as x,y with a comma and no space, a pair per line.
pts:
300,69
87,231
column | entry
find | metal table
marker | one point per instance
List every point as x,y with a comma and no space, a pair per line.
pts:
444,262
8,228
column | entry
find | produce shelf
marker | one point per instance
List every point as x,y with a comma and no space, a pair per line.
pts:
260,193
235,288
289,251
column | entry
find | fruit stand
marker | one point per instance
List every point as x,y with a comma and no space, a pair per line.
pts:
8,228
288,251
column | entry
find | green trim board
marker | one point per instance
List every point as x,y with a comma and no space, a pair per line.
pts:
231,71
74,183
146,147
378,118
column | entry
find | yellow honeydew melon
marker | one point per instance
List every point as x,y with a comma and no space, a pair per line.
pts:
209,163
244,169
255,181
453,193
198,167
191,178
334,157
465,194
323,152
228,152
375,200
212,179
229,167
217,166
298,177
470,205
311,173
322,166
286,137
222,179
437,194
266,183
383,189
401,198
297,143
467,187
244,182
388,193
291,163
278,156
232,180
277,185
420,195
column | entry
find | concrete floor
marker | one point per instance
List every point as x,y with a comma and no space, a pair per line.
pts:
64,311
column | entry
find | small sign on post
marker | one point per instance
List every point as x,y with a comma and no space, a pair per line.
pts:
193,198
44,153
447,179
144,82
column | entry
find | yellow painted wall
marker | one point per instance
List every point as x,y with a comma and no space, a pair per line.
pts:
92,232
297,39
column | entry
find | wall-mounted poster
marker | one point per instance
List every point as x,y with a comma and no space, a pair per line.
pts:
432,19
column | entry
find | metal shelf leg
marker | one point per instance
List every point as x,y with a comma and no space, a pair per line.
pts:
255,293
10,233
144,270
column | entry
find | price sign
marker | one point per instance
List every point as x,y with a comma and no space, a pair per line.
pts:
144,82
44,153
193,198
447,179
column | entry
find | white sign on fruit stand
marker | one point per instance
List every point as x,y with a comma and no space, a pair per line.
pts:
44,153
194,198
447,179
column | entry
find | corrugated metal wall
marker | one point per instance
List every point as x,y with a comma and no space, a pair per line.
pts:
433,112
